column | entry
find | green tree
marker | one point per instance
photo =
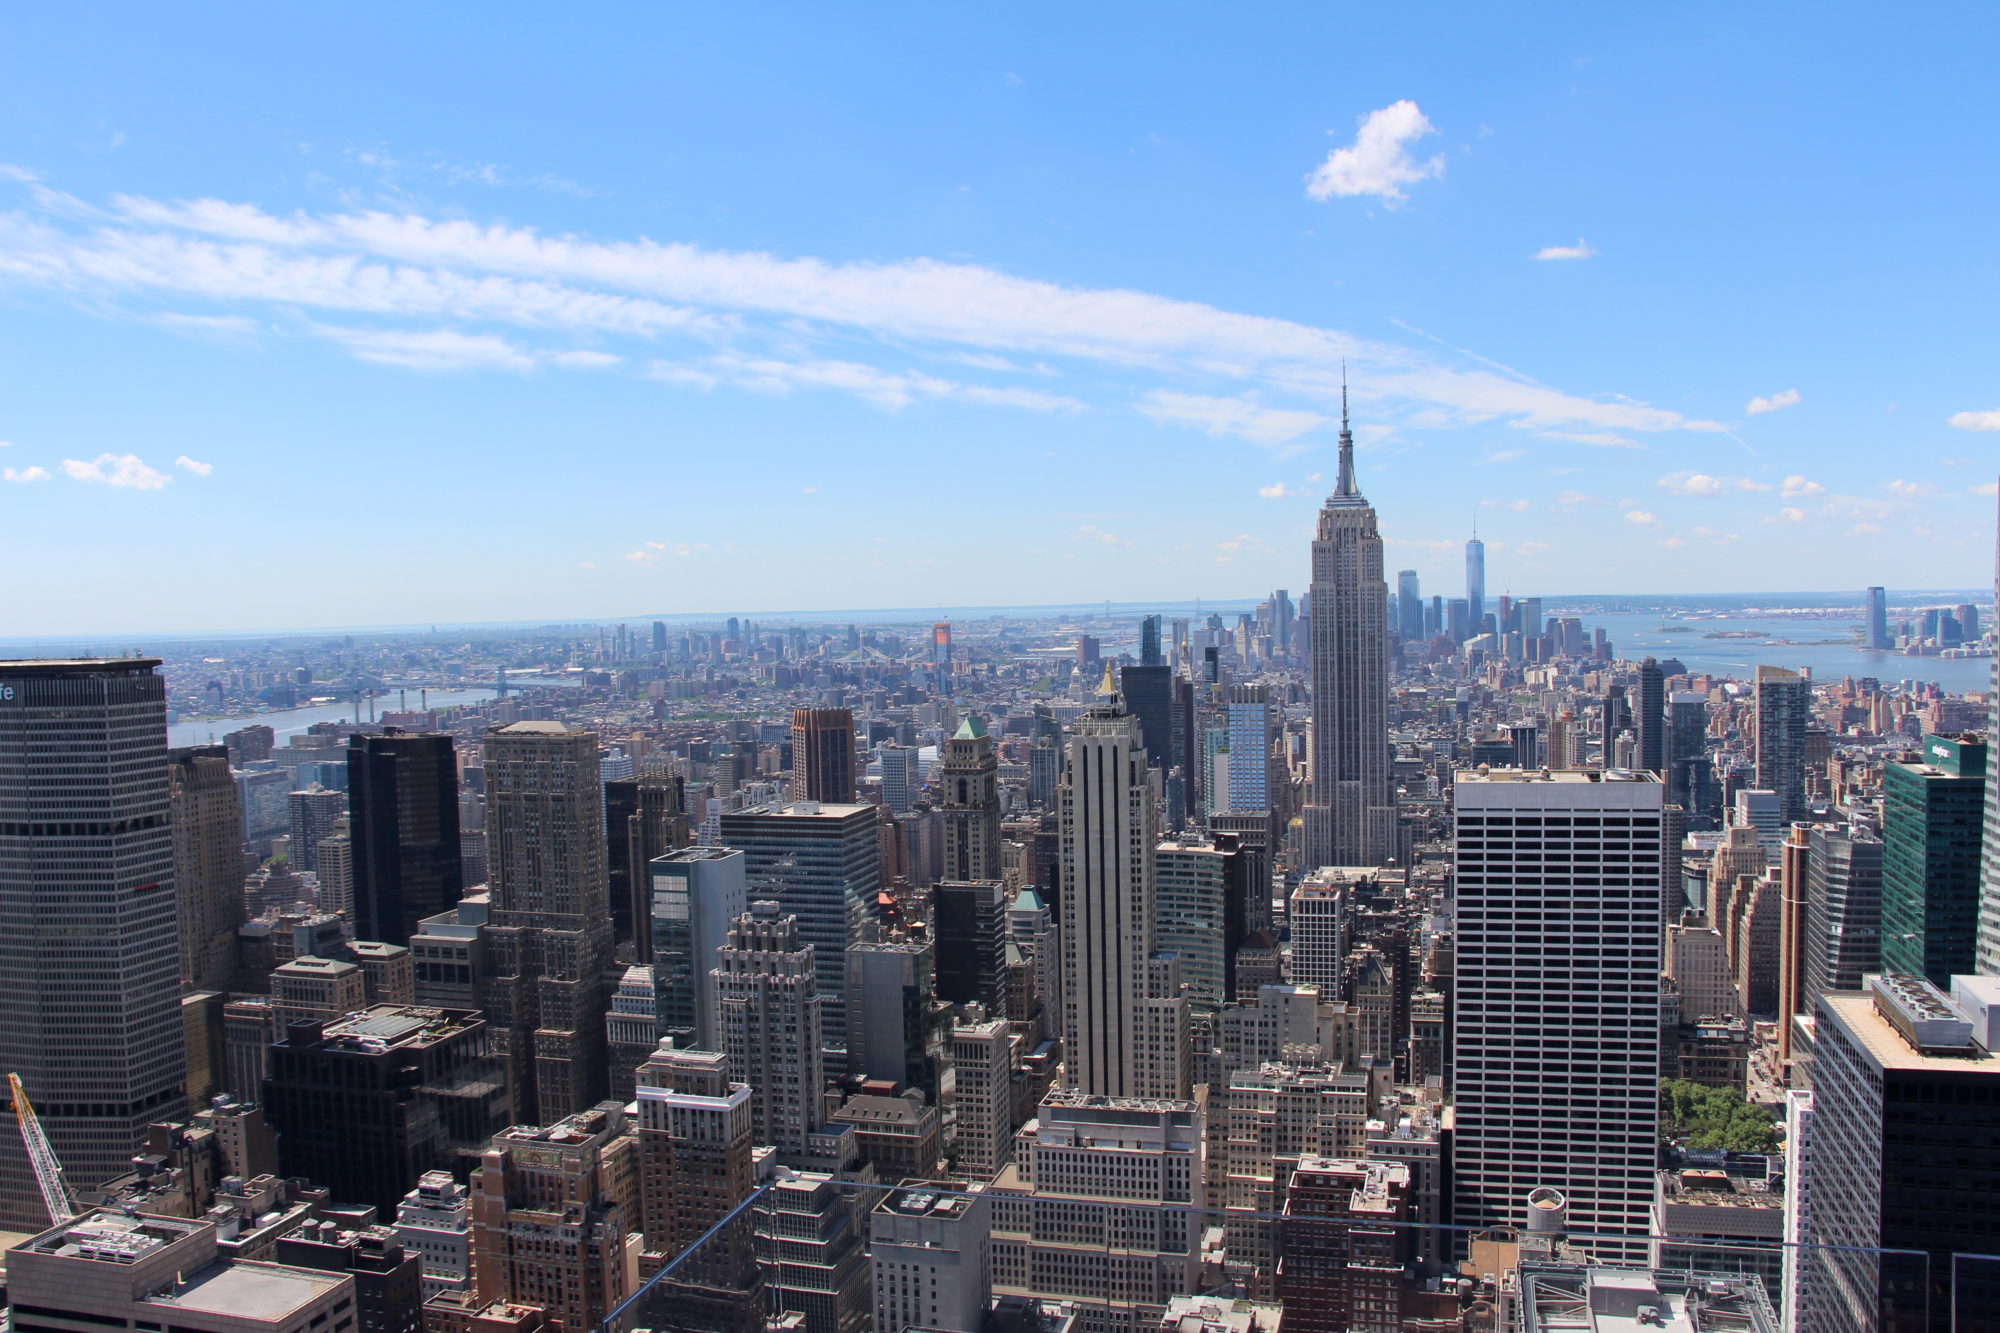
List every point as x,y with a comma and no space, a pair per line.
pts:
1703,1117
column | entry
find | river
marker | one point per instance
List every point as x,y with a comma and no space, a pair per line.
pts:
1826,646
291,722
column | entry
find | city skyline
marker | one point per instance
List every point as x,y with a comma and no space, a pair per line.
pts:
445,304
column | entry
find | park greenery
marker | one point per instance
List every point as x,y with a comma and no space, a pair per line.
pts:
1698,1116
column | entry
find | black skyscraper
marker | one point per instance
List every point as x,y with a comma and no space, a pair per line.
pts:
1149,642
402,800
1149,693
1652,717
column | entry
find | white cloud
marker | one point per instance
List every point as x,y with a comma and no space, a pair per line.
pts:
1270,427
1603,439
1571,501
116,470
1974,421
1516,505
1277,490
1987,488
189,465
209,326
1749,484
1504,455
1378,162
1691,483
1910,490
1777,402
432,349
413,276
1533,548
1241,544
1671,543
1641,518
24,474
1865,530
809,490
1091,533
1581,250
1797,487
1788,515
586,360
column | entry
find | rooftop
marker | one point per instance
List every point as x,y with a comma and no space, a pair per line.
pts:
1567,1298
927,1200
252,1290
1859,1018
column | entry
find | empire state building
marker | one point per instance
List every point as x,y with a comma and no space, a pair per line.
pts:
1350,813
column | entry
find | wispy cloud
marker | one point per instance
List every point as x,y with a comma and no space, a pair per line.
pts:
1240,545
116,470
1378,162
1581,250
1777,402
1516,506
1974,420
20,475
1277,490
429,289
1090,532
1243,418
1911,490
1798,487
187,464
1641,518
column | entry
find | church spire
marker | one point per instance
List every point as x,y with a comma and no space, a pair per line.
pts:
1345,486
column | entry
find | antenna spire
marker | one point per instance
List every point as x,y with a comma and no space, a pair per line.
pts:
1345,486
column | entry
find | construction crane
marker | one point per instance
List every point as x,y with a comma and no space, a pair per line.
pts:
48,1171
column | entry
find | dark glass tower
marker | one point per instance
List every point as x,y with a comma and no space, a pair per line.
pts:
1652,718
1931,832
402,797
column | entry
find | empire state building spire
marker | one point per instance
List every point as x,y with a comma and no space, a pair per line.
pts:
1350,814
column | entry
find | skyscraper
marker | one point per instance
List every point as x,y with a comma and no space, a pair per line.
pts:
698,892
1149,693
1931,817
1878,619
90,1014
1149,642
1350,818
969,924
1903,1155
1784,706
1409,607
823,755
970,781
1650,705
314,812
549,938
1125,1028
208,864
1247,714
644,817
1558,965
402,795
823,865
770,1006
1475,581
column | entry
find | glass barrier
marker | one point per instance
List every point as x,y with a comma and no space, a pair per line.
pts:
810,1253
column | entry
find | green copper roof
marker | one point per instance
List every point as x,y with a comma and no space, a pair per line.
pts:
971,729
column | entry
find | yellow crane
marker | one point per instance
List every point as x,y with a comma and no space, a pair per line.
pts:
48,1171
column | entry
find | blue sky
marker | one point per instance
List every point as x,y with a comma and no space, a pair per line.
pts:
397,314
